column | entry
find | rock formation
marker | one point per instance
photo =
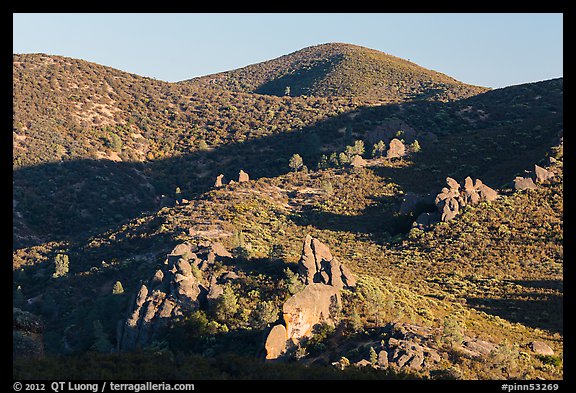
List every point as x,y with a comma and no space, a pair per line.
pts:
358,162
219,181
452,198
524,183
172,292
317,303
541,348
317,265
243,176
542,174
396,149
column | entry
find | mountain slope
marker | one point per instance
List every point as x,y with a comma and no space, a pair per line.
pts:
347,70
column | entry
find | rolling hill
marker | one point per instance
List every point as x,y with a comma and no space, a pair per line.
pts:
118,172
341,70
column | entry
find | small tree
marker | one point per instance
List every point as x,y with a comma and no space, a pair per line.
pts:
115,142
378,149
357,148
61,265
202,145
373,356
287,91
452,334
296,163
118,289
343,158
415,146
101,341
293,282
266,312
227,304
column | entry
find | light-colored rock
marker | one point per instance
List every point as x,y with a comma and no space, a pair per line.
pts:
243,176
219,181
309,307
396,149
541,348
358,161
275,345
542,174
524,183
453,184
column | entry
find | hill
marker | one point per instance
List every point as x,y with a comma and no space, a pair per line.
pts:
342,70
115,190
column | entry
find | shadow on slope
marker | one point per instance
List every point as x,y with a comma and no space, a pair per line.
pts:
532,307
510,130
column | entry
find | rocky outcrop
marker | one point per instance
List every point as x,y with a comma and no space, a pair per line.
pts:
415,348
172,292
276,342
318,265
452,198
219,181
317,303
358,162
541,348
524,183
538,176
396,149
243,176
542,174
27,335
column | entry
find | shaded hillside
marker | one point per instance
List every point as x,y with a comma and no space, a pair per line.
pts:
346,70
494,136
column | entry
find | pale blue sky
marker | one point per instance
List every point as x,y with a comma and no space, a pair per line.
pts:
493,50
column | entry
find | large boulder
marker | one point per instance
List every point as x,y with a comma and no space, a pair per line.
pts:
358,161
396,149
275,345
219,181
542,174
315,304
541,348
243,176
524,183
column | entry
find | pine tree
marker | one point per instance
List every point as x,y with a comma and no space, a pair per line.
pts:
296,163
373,356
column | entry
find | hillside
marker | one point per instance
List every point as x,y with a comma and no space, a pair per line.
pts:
341,70
132,255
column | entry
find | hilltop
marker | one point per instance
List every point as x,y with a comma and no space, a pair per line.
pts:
342,70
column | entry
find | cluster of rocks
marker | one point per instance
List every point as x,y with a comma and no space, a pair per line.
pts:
449,201
317,303
173,291
242,177
539,175
27,335
414,347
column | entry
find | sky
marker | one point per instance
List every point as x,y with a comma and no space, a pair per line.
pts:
490,49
